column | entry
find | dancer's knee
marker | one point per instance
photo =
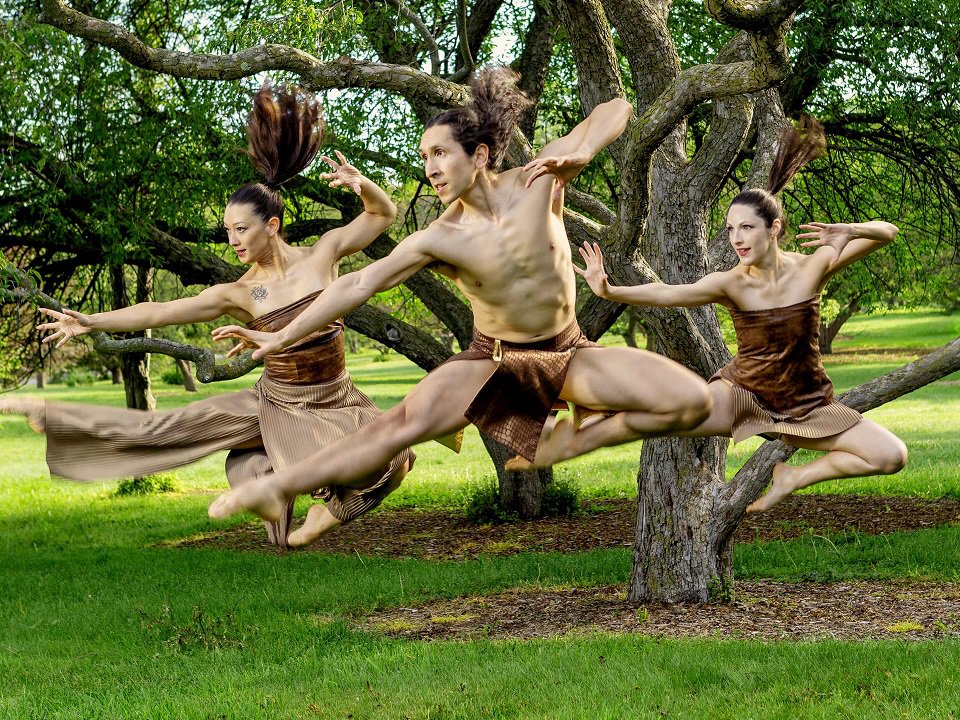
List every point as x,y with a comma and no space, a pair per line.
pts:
696,408
892,458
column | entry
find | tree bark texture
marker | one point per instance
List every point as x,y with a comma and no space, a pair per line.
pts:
830,330
134,366
521,493
189,384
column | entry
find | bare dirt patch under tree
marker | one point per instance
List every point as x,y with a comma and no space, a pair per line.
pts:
446,535
759,610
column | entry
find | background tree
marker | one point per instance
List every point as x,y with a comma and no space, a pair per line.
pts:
711,86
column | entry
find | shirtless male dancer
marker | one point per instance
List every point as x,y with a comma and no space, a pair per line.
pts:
502,240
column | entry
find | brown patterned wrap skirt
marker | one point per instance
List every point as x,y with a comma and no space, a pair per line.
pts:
90,443
514,403
303,402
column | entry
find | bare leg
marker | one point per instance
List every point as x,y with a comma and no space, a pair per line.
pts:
864,449
33,409
319,521
654,396
434,408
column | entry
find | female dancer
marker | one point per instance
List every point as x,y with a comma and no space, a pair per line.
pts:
776,384
305,399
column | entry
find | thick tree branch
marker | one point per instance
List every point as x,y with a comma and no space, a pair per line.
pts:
409,341
314,74
598,71
647,44
207,368
534,61
729,126
752,15
692,87
597,315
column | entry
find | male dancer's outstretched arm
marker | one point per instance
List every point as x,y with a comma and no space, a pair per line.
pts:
566,156
563,158
506,249
345,294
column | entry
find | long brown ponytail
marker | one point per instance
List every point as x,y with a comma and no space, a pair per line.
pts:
284,134
799,144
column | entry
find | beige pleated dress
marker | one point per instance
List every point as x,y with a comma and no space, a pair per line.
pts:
303,402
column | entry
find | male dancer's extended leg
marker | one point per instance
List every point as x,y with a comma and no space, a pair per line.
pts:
864,449
434,408
652,395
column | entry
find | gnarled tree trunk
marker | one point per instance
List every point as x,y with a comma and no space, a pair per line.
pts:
521,492
135,367
830,330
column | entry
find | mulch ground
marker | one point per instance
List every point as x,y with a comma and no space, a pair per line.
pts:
766,610
445,535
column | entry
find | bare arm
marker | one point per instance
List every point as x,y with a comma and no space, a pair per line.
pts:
378,210
212,303
565,157
343,295
709,289
846,242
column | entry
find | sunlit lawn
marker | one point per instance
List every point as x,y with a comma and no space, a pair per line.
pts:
92,608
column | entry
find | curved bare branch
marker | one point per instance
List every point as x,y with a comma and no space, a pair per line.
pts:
207,368
692,87
424,31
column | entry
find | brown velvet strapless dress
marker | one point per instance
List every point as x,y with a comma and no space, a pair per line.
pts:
777,377
303,402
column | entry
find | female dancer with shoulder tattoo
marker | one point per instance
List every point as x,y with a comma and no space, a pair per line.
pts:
304,400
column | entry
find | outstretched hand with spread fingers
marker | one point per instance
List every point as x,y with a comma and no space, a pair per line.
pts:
66,325
564,167
264,343
593,273
344,174
834,235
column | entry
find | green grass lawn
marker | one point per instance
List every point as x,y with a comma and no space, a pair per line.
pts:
99,621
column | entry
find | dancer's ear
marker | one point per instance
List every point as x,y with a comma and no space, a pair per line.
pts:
776,228
481,156
273,225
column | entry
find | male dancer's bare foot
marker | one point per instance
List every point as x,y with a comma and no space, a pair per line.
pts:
319,521
262,497
33,409
555,445
781,486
